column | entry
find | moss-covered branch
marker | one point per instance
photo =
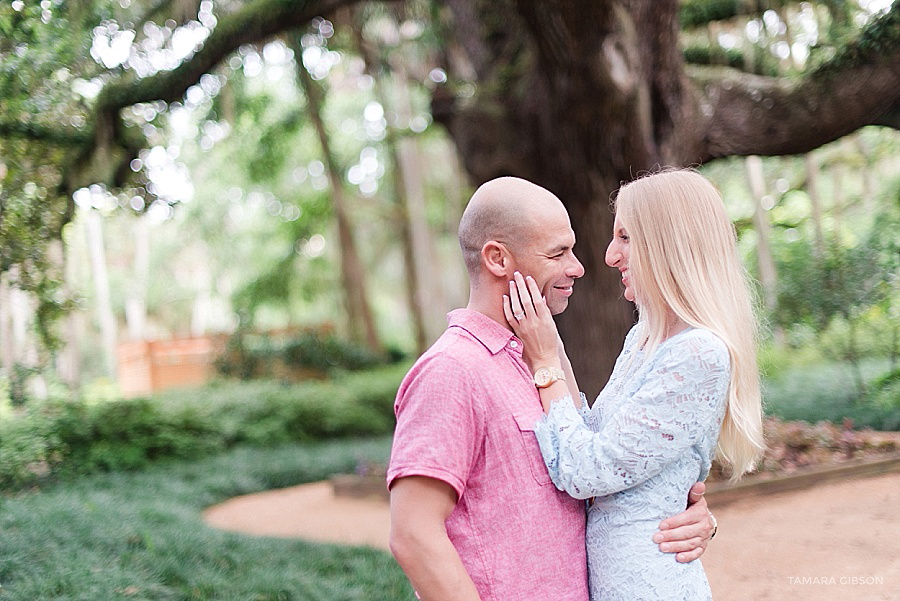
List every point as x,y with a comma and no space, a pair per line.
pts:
697,13
56,134
748,114
256,22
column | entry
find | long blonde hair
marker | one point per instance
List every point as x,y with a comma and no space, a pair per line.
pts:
683,260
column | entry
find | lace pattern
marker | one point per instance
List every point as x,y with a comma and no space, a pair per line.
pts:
649,436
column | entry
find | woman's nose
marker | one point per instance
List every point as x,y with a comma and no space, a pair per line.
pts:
612,256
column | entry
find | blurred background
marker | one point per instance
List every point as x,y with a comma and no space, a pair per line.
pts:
228,227
193,190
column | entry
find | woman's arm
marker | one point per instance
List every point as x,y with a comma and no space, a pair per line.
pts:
570,375
675,405
530,318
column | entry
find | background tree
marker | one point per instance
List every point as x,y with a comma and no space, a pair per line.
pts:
577,96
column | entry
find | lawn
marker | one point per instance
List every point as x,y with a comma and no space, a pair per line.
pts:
139,535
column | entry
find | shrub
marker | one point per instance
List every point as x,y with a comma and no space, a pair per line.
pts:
62,437
29,450
309,353
826,392
793,445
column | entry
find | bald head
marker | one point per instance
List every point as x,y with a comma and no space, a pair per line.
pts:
506,209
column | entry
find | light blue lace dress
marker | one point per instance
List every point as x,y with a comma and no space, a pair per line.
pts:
650,435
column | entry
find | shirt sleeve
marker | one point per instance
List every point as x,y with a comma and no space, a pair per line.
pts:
681,397
439,424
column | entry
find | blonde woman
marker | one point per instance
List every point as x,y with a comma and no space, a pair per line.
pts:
684,388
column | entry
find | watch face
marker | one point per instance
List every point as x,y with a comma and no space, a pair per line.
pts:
545,376
542,376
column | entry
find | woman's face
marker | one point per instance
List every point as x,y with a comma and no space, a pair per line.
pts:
617,255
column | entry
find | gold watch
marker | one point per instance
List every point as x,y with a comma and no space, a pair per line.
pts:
545,376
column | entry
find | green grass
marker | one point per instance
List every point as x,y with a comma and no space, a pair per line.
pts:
139,535
827,391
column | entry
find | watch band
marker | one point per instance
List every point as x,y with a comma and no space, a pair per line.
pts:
546,376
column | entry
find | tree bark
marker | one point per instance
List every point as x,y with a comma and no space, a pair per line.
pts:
815,200
105,316
768,273
69,362
7,346
572,98
361,321
136,299
403,192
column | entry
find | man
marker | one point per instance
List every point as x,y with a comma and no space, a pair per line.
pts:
474,515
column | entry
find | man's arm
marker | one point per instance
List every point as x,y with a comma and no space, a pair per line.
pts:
420,507
687,533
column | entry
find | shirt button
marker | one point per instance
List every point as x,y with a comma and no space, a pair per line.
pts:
513,344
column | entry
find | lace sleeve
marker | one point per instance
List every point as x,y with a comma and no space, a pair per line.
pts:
678,400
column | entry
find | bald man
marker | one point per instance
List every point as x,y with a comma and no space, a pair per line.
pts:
474,514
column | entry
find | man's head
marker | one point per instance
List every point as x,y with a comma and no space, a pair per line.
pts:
510,225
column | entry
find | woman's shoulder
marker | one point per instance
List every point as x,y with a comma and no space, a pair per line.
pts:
632,335
699,341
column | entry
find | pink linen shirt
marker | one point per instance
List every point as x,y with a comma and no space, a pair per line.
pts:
466,413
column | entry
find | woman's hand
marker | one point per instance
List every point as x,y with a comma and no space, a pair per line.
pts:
527,313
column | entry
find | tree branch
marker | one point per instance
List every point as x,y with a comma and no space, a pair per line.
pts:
255,22
748,114
63,136
697,13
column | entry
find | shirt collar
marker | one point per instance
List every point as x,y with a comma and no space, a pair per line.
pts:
484,329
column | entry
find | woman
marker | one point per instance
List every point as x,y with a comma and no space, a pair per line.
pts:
684,387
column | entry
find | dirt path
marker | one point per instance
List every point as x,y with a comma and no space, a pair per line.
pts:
837,541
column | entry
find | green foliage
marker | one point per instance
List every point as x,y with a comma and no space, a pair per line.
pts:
884,393
128,434
704,55
841,281
825,391
315,353
41,126
65,438
139,535
879,39
29,448
695,13
838,290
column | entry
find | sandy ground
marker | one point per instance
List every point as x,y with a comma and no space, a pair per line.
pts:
839,540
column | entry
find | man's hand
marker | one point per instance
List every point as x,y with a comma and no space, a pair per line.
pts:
687,533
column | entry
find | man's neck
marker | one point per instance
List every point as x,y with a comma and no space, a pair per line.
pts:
490,305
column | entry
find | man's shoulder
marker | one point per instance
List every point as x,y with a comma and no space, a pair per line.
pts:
455,346
456,358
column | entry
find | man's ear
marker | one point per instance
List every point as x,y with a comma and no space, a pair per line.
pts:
497,259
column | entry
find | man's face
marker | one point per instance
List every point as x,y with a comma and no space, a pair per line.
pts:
548,257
